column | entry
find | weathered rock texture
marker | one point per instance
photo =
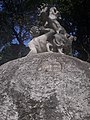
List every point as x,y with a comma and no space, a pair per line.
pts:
46,86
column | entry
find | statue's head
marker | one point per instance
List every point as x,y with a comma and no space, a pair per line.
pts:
54,13
34,31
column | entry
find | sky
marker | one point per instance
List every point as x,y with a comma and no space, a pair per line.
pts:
1,6
29,37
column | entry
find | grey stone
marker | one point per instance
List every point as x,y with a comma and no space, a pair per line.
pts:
45,86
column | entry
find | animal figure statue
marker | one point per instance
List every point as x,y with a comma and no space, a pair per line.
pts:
61,44
41,43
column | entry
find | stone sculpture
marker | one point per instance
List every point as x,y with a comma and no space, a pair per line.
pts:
54,40
41,43
43,14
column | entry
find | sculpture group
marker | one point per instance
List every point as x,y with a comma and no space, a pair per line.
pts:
50,35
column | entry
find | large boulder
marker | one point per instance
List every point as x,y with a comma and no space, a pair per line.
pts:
46,86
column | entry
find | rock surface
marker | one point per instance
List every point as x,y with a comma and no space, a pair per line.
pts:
46,86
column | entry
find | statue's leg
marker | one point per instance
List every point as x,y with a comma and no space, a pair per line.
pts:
32,48
49,47
57,26
60,50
